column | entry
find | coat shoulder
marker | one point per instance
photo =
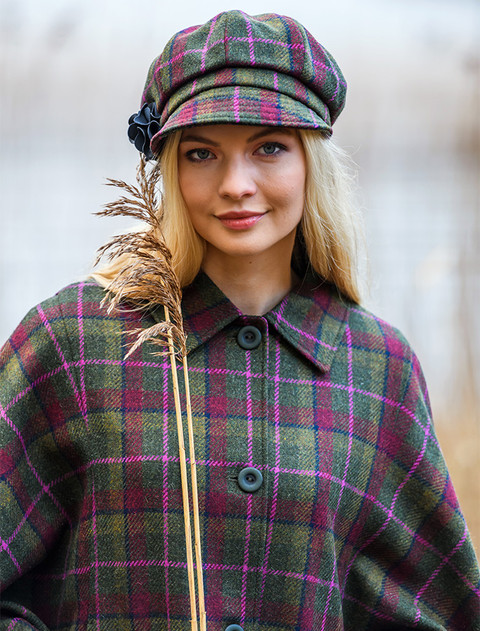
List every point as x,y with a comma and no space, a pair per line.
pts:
371,332
64,326
383,359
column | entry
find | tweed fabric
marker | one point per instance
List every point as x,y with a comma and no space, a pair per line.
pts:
356,525
261,70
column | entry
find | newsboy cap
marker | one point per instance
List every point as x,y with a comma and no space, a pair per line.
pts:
253,70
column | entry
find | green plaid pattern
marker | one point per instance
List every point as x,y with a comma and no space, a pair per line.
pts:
261,70
356,525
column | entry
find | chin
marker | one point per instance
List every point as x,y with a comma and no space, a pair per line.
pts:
242,250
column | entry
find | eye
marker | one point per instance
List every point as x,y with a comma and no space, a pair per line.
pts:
271,148
199,155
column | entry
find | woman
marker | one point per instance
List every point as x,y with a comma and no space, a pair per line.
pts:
324,500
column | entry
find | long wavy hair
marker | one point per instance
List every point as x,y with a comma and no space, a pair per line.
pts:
327,240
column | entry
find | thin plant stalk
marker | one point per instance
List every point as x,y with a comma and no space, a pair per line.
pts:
196,512
184,480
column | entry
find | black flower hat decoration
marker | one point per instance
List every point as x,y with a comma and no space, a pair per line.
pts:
142,126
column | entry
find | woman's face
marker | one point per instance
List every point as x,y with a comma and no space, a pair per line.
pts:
243,187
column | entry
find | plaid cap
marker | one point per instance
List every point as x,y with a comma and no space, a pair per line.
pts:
235,68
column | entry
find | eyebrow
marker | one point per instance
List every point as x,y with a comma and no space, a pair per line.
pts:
255,136
270,130
198,138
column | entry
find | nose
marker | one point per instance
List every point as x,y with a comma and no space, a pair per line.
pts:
237,179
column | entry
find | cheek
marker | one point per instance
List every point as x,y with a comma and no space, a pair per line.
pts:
191,190
290,191
182,185
197,183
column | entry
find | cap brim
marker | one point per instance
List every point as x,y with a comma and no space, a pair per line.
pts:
243,105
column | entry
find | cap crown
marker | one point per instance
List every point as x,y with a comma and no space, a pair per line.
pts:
259,55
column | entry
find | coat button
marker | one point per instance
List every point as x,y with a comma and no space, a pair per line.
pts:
249,337
234,627
250,479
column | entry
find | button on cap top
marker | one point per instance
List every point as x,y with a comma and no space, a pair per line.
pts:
249,337
250,479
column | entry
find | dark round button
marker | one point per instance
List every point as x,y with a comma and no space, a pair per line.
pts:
250,479
249,337
234,627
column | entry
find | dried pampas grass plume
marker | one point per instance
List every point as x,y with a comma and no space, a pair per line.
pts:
148,279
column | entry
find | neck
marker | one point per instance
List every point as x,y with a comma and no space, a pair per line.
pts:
253,284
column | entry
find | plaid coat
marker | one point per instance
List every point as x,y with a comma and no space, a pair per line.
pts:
355,524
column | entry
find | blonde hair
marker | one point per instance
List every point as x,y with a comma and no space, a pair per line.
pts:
331,227
327,239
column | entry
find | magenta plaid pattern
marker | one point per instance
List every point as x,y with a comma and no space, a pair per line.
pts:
236,68
356,525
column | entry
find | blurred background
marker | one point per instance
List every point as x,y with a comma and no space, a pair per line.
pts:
72,72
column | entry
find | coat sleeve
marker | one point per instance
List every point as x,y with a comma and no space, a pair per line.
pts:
429,577
36,390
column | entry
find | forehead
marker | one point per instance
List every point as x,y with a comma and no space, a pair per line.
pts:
222,133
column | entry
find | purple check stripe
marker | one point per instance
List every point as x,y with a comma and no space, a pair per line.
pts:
95,547
444,562
236,105
248,520
24,519
214,568
4,546
205,48
280,318
83,394
80,402
351,422
222,371
165,508
273,510
250,39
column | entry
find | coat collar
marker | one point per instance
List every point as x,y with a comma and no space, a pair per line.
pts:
312,317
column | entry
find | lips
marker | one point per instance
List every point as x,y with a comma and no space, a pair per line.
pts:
240,219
